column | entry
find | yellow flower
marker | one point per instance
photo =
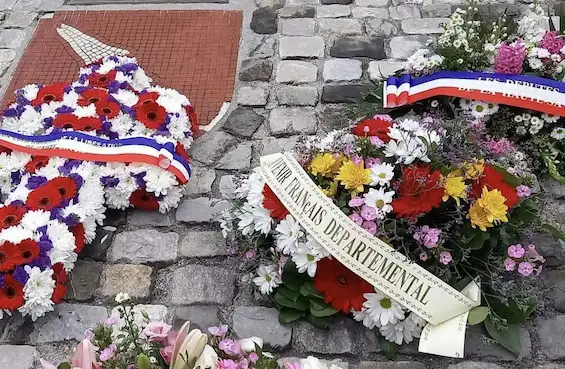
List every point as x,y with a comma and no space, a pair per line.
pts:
488,210
454,187
474,169
323,164
353,176
330,191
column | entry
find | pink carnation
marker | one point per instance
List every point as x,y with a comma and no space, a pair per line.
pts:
510,58
553,42
156,331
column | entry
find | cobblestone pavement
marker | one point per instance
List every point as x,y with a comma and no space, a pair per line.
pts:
300,62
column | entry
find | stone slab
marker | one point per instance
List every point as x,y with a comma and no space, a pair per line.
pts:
144,246
249,321
203,244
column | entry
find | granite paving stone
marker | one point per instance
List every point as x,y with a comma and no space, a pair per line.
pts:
344,93
11,38
552,248
200,210
474,365
237,158
199,316
211,147
149,218
227,186
402,47
349,47
301,47
264,21
252,96
396,364
404,12
272,145
298,27
336,340
551,332
296,72
84,280
135,280
555,279
339,27
297,95
201,180
382,69
255,70
24,356
203,244
373,3
262,47
283,121
436,10
366,12
144,246
338,70
249,321
243,122
380,27
297,12
333,11
424,26
19,19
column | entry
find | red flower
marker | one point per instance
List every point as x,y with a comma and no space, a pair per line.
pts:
5,149
53,92
373,127
66,121
342,288
11,215
193,117
65,185
78,232
151,114
9,256
181,150
492,179
107,108
28,250
144,200
12,294
37,162
272,203
419,191
89,124
101,80
60,277
45,197
147,98
92,96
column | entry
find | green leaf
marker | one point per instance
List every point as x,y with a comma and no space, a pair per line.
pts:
291,295
512,311
389,348
300,304
64,366
477,315
308,290
554,231
552,168
288,315
318,304
322,323
478,240
551,25
292,279
509,338
561,18
320,309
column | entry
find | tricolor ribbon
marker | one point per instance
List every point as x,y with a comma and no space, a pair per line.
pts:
80,146
530,92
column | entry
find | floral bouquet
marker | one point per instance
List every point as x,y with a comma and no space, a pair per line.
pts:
109,139
122,343
426,187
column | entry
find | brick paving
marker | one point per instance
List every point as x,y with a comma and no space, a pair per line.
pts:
194,52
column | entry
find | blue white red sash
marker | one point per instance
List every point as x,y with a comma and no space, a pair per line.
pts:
76,145
530,92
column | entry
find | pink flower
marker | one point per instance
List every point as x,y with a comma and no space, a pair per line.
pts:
167,354
294,365
500,147
111,321
509,264
243,364
108,353
429,237
230,347
516,251
533,254
370,226
523,191
171,338
445,257
423,256
384,117
219,331
156,331
525,268
253,357
510,58
356,159
88,335
553,42
368,213
369,162
356,218
355,202
376,141
251,254
227,364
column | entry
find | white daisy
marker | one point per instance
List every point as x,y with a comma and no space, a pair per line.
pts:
85,111
30,92
400,332
479,109
255,192
382,308
245,216
289,231
379,200
262,219
305,259
558,133
317,248
267,279
366,318
550,118
381,174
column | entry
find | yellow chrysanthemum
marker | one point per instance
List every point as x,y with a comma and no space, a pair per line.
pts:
474,169
323,164
454,187
331,191
354,176
488,210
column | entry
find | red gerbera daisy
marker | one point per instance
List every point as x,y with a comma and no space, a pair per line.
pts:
92,96
78,232
272,203
151,114
107,108
101,80
45,197
5,149
11,215
342,288
37,162
60,277
9,256
48,93
65,185
28,250
492,179
147,98
373,127
144,200
12,294
67,121
89,124
419,191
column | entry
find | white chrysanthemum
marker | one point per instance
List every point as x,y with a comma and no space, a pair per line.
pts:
18,160
89,225
535,63
140,80
85,111
29,123
51,170
316,247
171,100
126,97
121,124
305,259
382,308
34,219
127,184
558,133
37,292
159,180
30,92
15,234
63,245
48,111
409,125
171,199
177,126
312,362
381,174
267,279
117,199
226,223
379,200
288,233
245,216
107,66
255,192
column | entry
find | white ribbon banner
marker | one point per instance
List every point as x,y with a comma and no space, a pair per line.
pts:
387,270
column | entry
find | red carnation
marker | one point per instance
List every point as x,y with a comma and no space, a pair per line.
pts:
78,232
60,277
65,185
101,80
147,98
151,114
89,124
419,191
67,121
9,256
272,203
12,294
28,250
373,127
36,163
11,215
92,96
45,197
144,200
342,288
107,108
492,179
53,92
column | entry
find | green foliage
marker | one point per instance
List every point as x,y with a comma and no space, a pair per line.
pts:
143,362
389,348
554,231
64,366
551,166
508,338
477,315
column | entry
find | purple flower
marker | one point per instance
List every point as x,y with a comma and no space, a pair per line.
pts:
516,251
509,264
64,109
368,213
370,226
139,179
429,237
230,347
533,254
376,141
294,365
219,331
525,268
369,162
110,321
253,357
88,335
445,257
243,364
423,256
227,364
35,181
16,177
356,159
20,275
108,352
2,282
523,191
250,254
44,245
553,42
356,218
355,202
109,181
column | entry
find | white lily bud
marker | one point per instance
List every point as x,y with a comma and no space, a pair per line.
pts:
208,359
190,349
248,344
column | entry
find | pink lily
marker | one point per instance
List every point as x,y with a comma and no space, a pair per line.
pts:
85,356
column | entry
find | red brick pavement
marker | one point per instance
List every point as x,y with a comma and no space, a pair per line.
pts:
194,52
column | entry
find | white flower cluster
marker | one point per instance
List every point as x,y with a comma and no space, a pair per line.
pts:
533,25
424,62
409,141
531,123
479,109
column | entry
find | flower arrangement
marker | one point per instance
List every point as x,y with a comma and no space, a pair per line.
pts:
424,186
52,204
123,343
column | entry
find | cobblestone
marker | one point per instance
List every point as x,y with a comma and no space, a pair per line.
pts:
249,321
11,38
297,95
27,5
203,244
342,2
252,96
382,69
338,339
144,246
374,3
297,12
84,280
339,27
337,70
55,352
209,148
243,122
292,121
391,365
264,47
370,12
255,70
24,356
550,247
436,10
98,248
333,11
298,27
197,284
7,4
19,20
555,280
296,72
272,145
200,316
200,210
264,21
227,187
424,26
402,47
380,27
350,47
551,332
474,365
344,93
155,313
237,158
404,12
149,218
301,47
135,280
477,347
201,180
